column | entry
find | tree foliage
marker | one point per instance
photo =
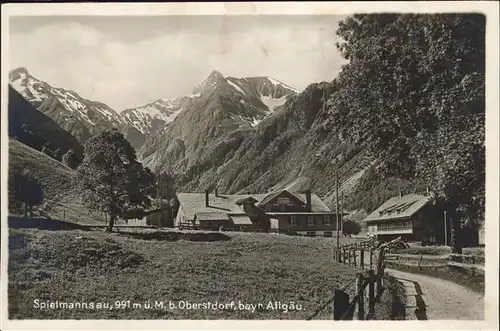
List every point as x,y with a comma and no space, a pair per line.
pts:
111,179
414,88
25,190
70,159
351,227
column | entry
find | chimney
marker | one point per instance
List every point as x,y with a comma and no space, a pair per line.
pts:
206,198
308,200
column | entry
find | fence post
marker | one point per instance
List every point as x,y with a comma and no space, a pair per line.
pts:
371,292
349,257
362,259
380,273
420,262
340,304
354,257
371,258
64,214
361,297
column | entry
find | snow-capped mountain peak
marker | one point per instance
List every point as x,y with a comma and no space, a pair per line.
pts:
75,114
277,82
151,117
210,83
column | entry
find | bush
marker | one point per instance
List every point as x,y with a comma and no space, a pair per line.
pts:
26,190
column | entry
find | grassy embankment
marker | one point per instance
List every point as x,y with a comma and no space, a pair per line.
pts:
78,265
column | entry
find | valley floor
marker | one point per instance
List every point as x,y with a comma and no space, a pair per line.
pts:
144,266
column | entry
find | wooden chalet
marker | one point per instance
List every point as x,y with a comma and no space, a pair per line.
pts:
281,212
408,216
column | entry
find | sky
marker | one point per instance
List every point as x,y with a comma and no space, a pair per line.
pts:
129,61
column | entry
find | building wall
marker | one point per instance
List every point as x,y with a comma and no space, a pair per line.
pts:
212,224
391,229
425,225
302,223
181,217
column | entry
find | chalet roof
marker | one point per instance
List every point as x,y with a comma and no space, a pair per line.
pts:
317,205
194,203
398,207
241,219
246,200
211,216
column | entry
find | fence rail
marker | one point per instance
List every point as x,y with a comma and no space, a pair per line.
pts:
421,261
368,257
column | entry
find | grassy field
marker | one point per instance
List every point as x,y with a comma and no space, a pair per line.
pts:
147,266
477,252
54,176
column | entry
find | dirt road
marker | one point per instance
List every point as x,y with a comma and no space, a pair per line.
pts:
438,299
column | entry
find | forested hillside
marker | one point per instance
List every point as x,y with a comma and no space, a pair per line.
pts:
413,94
34,129
405,114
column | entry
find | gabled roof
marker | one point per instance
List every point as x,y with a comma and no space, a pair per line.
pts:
194,203
246,200
399,207
317,205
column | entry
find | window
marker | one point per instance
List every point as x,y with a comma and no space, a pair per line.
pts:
293,220
328,220
310,220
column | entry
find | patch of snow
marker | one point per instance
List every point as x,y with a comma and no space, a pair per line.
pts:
37,96
18,85
277,82
255,122
243,102
272,103
194,95
236,87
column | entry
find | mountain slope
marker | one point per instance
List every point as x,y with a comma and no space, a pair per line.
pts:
53,175
23,117
214,143
79,116
214,119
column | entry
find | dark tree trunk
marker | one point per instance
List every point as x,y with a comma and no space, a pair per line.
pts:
457,236
111,223
25,210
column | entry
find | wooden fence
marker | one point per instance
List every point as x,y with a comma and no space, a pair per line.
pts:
369,281
431,261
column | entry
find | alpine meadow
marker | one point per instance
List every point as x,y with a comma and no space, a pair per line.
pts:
247,167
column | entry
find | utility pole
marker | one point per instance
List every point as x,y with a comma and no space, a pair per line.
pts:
337,202
342,214
445,230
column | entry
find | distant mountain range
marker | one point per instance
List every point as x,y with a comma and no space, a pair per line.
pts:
237,134
83,118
